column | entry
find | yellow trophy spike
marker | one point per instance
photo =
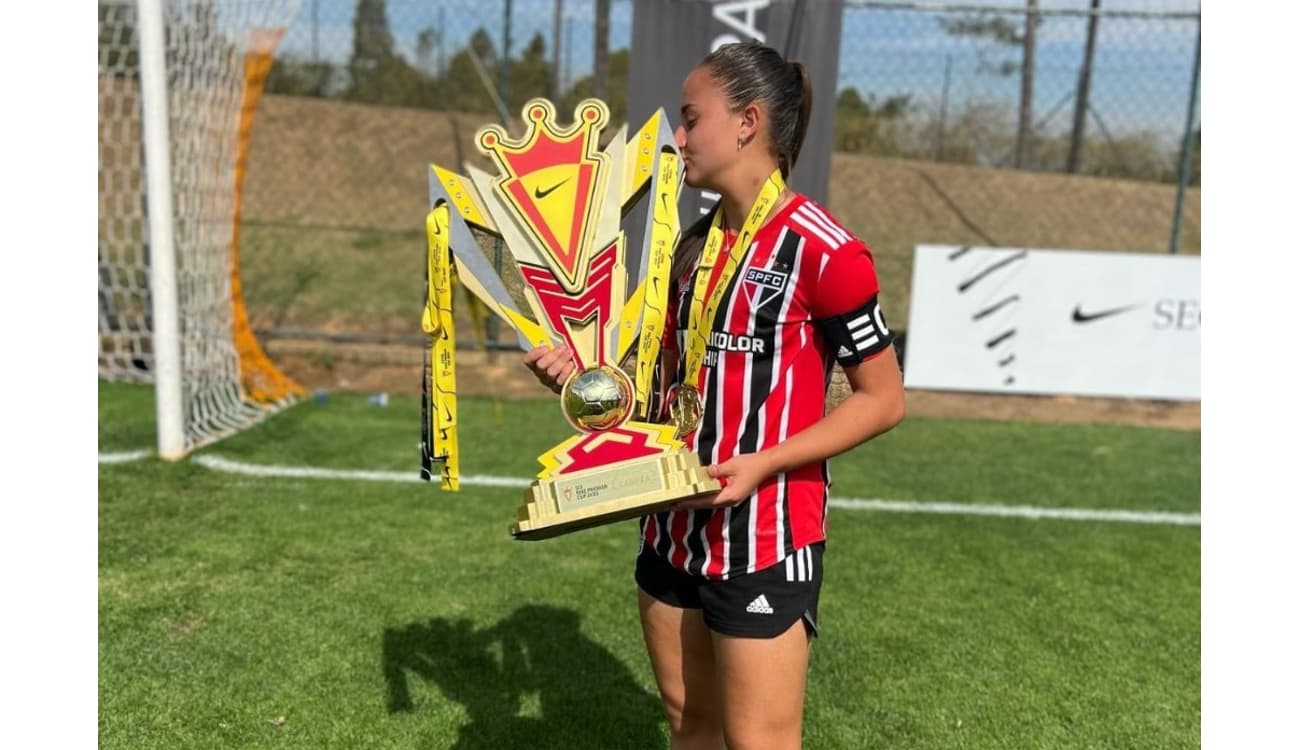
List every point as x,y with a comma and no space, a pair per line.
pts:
462,194
474,270
478,311
639,160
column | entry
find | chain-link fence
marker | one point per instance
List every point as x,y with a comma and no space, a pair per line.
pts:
1044,123
1062,87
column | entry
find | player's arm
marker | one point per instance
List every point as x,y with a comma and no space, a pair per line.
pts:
874,405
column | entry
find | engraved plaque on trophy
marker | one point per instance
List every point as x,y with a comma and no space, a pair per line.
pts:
558,204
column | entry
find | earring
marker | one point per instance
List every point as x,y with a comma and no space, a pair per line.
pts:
739,142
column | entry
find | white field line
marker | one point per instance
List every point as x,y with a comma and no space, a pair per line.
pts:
121,458
216,463
1023,511
306,472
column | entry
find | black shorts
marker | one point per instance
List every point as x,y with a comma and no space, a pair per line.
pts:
755,605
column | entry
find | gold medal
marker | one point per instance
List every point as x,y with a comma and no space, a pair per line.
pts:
686,410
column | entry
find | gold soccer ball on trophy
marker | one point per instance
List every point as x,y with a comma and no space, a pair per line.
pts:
597,398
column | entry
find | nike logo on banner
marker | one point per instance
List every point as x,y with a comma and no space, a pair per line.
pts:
1080,316
539,194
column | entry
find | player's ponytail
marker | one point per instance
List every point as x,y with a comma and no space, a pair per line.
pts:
805,114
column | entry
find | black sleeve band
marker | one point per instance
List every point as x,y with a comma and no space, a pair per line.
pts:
857,335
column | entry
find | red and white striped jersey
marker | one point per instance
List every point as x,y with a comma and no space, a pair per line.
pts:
764,379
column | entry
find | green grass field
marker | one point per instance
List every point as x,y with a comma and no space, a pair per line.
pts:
241,611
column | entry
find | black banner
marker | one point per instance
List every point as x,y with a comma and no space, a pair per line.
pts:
670,37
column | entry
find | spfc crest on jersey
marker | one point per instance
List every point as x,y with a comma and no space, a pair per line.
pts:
762,285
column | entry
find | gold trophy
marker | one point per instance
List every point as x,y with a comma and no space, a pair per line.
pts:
559,204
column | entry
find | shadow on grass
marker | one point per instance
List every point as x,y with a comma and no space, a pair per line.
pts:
532,680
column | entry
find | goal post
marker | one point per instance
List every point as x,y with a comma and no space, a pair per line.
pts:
179,82
168,409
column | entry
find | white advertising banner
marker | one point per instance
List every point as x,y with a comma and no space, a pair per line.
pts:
1008,320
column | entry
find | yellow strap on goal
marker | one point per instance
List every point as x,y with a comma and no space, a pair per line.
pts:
440,442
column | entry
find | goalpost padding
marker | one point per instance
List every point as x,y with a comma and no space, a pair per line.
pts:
212,58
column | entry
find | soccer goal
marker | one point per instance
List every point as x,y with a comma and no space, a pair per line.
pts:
179,82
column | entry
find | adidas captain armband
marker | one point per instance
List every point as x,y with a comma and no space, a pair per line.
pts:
857,335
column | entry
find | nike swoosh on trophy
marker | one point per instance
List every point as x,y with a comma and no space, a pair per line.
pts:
1079,316
539,194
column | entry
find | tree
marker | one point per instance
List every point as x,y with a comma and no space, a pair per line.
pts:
378,74
425,42
615,89
861,124
372,48
600,60
293,76
463,86
530,75
1001,31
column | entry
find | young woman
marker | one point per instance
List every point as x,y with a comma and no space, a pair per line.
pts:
769,290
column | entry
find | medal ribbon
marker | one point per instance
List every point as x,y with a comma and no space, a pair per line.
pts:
704,311
439,441
663,235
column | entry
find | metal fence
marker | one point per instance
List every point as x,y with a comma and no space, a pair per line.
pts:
1066,86
1072,85
1045,123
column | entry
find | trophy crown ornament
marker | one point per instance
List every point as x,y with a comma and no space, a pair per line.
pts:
552,177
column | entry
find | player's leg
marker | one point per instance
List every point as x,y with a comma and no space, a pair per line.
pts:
763,624
762,683
681,655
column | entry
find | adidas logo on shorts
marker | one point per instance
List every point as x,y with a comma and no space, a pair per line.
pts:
760,606
844,351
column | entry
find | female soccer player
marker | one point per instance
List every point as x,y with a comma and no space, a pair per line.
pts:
768,291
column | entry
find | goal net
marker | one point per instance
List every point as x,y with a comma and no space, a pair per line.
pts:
188,324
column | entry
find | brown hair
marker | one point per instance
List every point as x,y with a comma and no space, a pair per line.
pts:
750,72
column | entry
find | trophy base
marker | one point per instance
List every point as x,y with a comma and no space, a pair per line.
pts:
607,494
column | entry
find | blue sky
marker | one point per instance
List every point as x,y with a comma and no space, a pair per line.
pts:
1141,79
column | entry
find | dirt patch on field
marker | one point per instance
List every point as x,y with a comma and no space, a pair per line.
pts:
1172,415
369,368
